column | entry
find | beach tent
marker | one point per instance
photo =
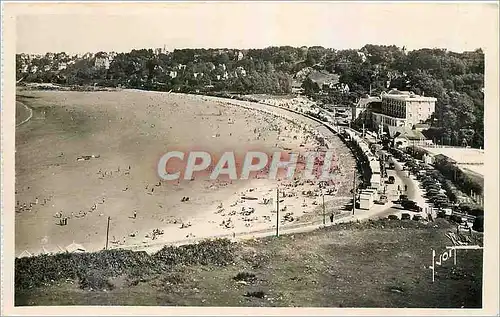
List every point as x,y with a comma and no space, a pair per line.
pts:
25,254
75,248
54,251
45,251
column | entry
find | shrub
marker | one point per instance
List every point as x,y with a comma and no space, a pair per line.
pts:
245,276
95,280
257,294
216,252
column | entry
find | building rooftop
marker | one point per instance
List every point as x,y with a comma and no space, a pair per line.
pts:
405,95
363,102
405,132
460,154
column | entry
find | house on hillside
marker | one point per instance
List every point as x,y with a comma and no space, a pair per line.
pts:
240,71
404,136
344,88
362,55
362,111
324,79
87,56
297,87
302,74
239,56
101,61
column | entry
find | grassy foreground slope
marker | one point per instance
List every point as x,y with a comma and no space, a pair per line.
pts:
371,264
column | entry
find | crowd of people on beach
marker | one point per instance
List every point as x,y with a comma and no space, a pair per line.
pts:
290,134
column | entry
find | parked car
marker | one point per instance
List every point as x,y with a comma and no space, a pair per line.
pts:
403,198
433,187
393,217
411,205
417,217
456,218
429,181
349,206
478,224
446,211
439,199
382,201
432,192
405,216
391,180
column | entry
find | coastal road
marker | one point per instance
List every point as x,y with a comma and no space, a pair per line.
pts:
414,192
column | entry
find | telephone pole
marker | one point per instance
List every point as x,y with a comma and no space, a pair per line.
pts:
107,233
324,212
354,194
277,212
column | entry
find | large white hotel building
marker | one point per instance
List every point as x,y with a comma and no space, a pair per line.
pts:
403,109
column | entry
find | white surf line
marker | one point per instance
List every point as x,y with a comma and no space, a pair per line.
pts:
29,117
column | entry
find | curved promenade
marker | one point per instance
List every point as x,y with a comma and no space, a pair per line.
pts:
323,129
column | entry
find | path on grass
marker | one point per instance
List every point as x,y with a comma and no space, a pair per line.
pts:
23,113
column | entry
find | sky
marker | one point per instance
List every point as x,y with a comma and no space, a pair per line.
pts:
120,27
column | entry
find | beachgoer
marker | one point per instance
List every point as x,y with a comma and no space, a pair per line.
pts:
135,214
331,218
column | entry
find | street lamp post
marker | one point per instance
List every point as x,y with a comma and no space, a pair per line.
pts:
324,212
277,212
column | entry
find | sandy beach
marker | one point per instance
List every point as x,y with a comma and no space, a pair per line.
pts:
127,132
